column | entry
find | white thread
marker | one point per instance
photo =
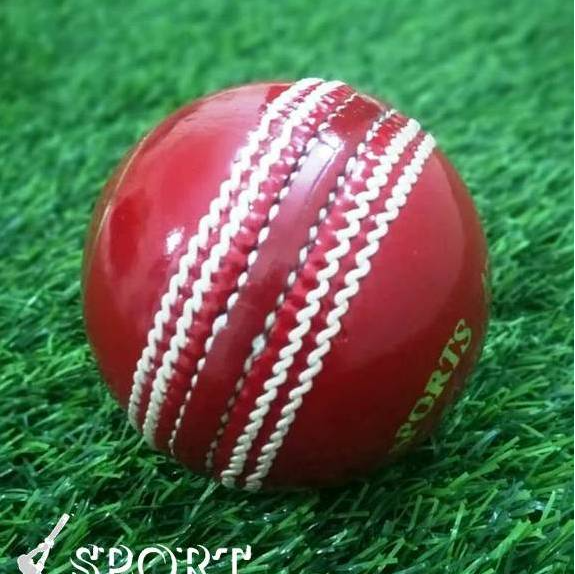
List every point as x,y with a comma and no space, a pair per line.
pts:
286,355
222,320
207,224
399,194
260,340
211,265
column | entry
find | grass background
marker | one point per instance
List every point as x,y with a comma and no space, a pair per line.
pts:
81,81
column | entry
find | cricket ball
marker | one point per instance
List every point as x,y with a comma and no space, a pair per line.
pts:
285,284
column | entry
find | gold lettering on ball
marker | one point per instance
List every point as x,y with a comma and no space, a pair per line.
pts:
448,361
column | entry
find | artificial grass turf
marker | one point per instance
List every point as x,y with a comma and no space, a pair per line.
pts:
81,81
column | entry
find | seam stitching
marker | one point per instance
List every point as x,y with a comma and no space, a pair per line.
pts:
222,319
228,231
287,353
291,277
393,205
207,224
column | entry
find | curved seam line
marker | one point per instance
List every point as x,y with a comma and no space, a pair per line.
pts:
207,224
245,441
228,231
221,320
393,205
239,384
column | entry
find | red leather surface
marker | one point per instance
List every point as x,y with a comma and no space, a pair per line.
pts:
278,256
143,225
426,276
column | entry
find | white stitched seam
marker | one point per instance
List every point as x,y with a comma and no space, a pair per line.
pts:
211,265
209,222
239,384
221,321
398,199
303,317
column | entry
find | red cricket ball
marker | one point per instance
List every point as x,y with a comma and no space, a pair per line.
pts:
284,284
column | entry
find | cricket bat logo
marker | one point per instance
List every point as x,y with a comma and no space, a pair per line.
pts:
26,563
